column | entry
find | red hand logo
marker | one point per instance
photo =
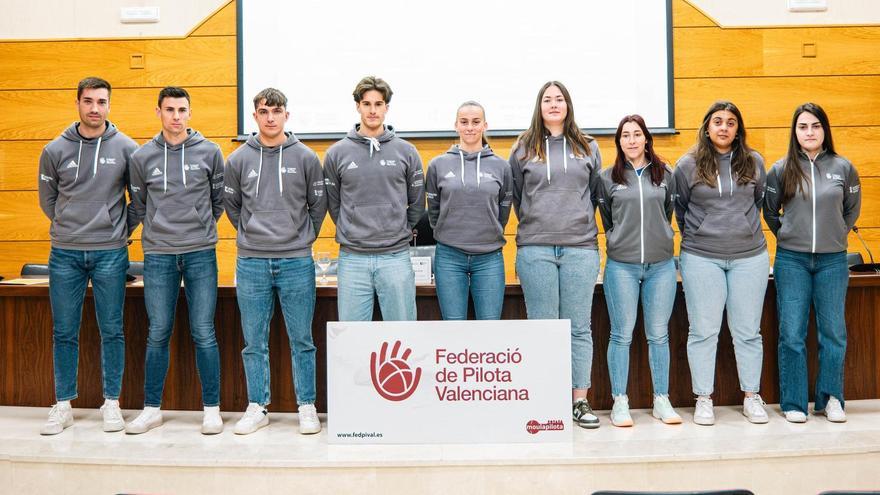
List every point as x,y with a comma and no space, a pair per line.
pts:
392,376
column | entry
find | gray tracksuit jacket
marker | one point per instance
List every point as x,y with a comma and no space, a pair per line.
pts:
82,186
819,220
274,197
177,191
722,222
556,201
375,191
469,198
637,215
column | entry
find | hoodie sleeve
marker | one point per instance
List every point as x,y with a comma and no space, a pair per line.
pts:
232,192
217,171
433,194
517,175
682,194
317,197
505,196
852,197
416,190
137,188
595,180
773,200
668,201
605,199
47,185
331,185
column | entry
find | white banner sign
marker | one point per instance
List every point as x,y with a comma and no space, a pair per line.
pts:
449,381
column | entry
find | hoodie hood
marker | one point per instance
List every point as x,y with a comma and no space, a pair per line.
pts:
72,134
193,138
375,144
465,156
254,142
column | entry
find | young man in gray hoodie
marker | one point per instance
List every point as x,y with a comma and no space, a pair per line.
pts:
82,181
274,197
177,192
376,195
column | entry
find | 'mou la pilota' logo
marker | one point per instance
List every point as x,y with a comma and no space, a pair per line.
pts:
392,376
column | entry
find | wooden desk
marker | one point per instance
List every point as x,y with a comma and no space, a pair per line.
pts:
26,376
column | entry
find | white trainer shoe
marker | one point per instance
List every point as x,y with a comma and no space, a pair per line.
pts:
753,409
834,411
149,418
308,420
212,423
254,418
704,413
620,412
795,416
60,417
112,416
663,410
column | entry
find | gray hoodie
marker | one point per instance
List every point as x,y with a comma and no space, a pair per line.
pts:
469,199
637,215
820,220
556,201
375,191
722,222
274,197
177,191
82,186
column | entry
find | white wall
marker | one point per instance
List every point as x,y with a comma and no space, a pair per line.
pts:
767,13
90,19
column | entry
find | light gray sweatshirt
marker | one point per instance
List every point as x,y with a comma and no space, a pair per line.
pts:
375,191
469,198
637,215
82,186
556,200
177,191
819,220
274,196
722,222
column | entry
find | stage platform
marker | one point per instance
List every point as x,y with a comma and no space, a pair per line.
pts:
776,458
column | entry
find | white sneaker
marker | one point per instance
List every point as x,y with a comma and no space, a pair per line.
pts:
834,411
704,413
212,423
620,412
112,416
60,417
795,417
308,420
254,418
753,409
149,418
663,410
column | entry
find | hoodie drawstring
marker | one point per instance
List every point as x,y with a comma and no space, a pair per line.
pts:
259,171
165,169
182,162
97,152
461,155
280,161
564,156
374,145
78,158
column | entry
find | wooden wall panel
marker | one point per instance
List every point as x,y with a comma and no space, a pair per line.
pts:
167,62
684,15
222,23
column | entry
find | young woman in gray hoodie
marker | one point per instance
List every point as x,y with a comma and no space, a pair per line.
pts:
469,189
555,185
812,202
635,202
724,263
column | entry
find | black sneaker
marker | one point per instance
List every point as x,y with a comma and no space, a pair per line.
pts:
583,415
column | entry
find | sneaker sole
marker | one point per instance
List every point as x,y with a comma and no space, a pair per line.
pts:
309,431
757,421
835,420
214,430
588,426
704,422
248,432
623,424
113,427
138,431
669,421
48,433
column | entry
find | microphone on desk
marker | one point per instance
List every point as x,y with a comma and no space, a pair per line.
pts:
864,267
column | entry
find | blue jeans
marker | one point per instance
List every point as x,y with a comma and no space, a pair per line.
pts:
558,283
657,283
162,274
293,280
710,284
821,280
457,273
69,274
388,275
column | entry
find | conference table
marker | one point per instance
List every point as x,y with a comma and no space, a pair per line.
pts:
26,370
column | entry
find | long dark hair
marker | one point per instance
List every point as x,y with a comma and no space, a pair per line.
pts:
793,177
532,139
655,162
704,153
